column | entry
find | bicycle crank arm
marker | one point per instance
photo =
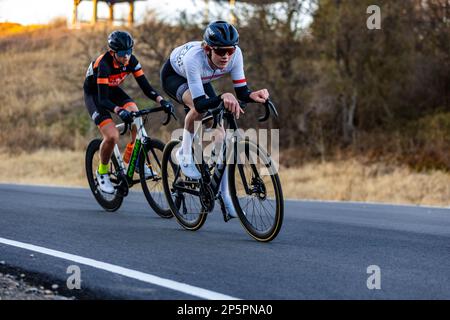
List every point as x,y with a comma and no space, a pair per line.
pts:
226,216
186,190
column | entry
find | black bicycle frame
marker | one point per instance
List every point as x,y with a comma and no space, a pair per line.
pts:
219,170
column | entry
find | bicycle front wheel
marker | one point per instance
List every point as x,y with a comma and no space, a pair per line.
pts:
256,191
150,161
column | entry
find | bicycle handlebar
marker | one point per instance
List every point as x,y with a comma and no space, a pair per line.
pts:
268,106
140,113
215,111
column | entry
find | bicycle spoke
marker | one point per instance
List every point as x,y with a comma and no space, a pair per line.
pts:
264,207
266,212
253,211
248,202
262,222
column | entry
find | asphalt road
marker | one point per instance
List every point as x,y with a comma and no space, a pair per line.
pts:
322,252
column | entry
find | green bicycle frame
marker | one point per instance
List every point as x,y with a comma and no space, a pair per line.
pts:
134,157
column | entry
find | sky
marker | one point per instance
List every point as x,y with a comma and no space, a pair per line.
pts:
43,11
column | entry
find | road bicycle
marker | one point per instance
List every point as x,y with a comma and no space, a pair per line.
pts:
147,152
253,180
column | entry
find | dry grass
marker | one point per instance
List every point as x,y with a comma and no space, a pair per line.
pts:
42,101
349,180
52,167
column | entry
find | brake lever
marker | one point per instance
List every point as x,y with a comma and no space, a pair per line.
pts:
269,109
266,114
166,122
171,113
125,128
272,108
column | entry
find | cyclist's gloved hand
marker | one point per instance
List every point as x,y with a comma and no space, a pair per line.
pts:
125,115
167,105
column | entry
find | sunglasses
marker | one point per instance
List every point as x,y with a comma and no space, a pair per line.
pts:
123,53
223,51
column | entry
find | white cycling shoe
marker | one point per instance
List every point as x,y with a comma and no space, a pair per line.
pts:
187,165
104,183
229,207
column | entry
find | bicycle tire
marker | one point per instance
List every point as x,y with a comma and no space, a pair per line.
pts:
175,203
274,229
155,204
109,205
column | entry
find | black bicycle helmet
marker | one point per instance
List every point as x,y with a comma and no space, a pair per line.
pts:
221,34
120,41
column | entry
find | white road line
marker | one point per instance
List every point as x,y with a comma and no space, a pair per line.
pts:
148,278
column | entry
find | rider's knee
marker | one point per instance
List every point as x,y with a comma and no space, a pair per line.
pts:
111,136
194,114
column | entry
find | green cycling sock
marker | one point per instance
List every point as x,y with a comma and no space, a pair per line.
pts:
103,168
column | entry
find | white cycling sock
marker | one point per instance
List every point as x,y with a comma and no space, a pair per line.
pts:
186,145
224,184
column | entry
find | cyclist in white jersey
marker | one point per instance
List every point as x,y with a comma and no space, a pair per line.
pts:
187,76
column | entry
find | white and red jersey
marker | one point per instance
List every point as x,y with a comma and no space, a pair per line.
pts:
191,62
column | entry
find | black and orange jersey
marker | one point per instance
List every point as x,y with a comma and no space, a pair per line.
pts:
105,73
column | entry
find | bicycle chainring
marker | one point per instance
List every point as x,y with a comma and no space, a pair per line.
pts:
122,187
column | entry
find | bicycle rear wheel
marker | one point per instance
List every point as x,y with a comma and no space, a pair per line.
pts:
185,206
151,157
109,202
256,191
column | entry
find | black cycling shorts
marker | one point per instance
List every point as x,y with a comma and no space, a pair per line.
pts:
101,115
175,85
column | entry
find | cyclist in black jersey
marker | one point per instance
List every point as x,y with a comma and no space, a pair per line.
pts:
103,95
